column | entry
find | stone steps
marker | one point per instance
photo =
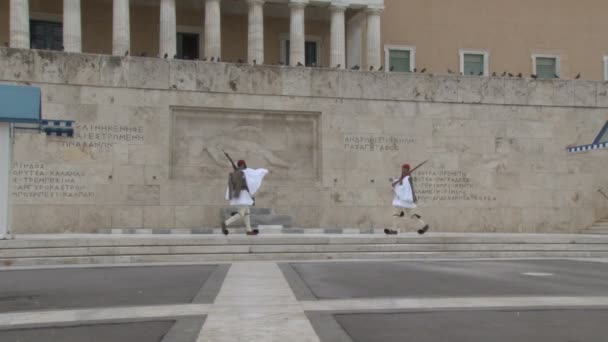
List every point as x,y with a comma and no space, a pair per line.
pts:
262,249
260,217
600,227
264,229
595,231
194,258
128,249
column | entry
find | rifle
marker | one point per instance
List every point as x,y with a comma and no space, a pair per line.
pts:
409,173
236,169
231,161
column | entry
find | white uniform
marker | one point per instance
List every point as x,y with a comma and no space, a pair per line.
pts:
403,195
254,178
403,201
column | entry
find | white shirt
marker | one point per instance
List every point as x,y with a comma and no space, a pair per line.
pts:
254,178
403,196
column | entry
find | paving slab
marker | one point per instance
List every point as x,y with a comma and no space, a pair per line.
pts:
478,326
416,279
46,289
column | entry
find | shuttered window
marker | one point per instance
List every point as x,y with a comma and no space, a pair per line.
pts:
399,60
473,64
546,67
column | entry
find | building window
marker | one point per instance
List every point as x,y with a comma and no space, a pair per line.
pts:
312,50
46,35
474,62
187,45
546,66
399,58
605,68
310,53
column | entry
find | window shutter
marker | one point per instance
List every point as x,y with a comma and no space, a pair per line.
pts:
473,64
546,67
399,60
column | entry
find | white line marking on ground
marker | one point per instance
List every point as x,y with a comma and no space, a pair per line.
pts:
16,319
445,303
538,274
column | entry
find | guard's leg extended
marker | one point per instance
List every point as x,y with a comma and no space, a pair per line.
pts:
246,213
421,223
397,214
232,219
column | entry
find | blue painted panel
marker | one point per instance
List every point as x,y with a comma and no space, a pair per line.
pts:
19,104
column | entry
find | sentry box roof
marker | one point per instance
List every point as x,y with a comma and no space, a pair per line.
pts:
19,104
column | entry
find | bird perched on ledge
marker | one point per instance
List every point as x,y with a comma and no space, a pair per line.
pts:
300,64
578,76
356,67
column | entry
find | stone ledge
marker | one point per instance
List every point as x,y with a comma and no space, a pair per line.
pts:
38,66
263,230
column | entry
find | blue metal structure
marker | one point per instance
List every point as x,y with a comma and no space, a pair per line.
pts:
603,136
20,104
601,142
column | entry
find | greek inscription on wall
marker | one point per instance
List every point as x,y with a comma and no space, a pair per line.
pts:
375,143
42,182
446,185
103,136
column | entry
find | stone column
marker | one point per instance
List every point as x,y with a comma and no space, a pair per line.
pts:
338,38
213,30
121,29
72,26
255,41
168,30
297,36
5,167
20,24
374,42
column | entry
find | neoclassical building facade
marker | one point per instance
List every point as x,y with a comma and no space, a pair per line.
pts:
381,83
286,21
461,36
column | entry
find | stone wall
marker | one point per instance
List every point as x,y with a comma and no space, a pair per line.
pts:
148,132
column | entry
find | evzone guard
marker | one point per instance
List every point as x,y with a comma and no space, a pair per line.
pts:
243,183
404,200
